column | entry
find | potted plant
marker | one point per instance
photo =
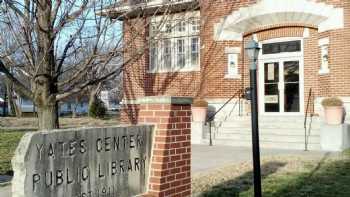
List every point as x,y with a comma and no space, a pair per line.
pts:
333,110
199,110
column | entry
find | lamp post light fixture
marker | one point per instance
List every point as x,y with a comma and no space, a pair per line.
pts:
253,49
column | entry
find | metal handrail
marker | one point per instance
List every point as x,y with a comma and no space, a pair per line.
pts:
306,116
211,118
238,93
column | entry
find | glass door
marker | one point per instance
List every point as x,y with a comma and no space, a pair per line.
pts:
281,87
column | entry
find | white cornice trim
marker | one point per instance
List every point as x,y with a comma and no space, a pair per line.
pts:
271,12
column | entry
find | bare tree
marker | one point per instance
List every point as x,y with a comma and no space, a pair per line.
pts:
48,33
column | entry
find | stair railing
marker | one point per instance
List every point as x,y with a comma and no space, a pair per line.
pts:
211,118
306,129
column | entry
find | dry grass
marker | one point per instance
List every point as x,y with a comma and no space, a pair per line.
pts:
281,177
65,122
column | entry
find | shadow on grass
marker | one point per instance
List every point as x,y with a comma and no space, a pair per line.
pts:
232,188
327,178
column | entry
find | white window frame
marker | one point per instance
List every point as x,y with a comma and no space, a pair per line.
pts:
324,47
232,72
197,52
175,35
232,54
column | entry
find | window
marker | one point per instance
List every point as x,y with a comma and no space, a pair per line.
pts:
181,26
176,47
194,24
324,45
281,47
168,28
232,64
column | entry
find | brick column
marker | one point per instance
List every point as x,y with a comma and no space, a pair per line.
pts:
170,173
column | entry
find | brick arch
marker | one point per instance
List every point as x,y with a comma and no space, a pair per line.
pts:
280,30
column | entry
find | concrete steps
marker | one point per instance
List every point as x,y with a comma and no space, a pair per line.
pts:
275,132
264,144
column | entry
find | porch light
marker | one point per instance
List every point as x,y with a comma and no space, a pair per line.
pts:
252,49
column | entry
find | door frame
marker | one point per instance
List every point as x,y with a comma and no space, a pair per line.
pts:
280,58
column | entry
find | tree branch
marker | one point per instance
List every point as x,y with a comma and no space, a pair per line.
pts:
18,86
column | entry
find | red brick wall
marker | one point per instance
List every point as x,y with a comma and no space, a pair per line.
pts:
210,81
170,173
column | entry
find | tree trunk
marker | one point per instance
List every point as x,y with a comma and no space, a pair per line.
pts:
45,100
93,95
92,100
48,117
10,103
13,107
75,106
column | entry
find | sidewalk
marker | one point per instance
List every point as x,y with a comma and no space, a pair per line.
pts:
206,158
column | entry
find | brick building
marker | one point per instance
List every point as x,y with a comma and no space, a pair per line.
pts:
196,49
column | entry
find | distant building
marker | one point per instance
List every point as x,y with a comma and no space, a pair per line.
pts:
110,101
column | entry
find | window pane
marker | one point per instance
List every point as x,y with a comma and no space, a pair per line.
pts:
194,51
291,89
153,55
167,54
281,47
154,29
292,98
272,100
181,61
271,72
291,71
181,26
195,24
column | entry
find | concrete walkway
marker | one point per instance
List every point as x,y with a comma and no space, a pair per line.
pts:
206,158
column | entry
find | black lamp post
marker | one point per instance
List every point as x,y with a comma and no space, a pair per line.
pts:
252,50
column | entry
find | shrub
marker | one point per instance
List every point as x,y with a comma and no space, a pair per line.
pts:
332,102
97,109
200,103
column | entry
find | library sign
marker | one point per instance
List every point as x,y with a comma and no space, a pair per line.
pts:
87,162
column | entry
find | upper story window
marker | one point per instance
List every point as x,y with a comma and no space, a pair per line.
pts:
175,43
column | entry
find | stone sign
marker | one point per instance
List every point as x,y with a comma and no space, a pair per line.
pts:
87,162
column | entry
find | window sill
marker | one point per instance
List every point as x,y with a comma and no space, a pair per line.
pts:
323,71
174,71
233,76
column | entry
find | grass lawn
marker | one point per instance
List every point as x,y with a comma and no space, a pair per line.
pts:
65,122
281,177
8,144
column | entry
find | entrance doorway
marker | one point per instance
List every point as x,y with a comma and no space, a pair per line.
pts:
281,87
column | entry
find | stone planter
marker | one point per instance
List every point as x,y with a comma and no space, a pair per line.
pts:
334,115
199,114
335,137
